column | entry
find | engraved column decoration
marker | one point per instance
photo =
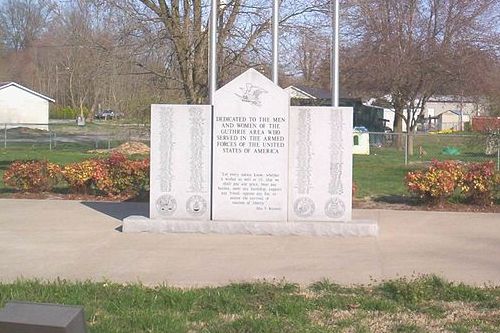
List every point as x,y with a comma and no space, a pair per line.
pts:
166,204
196,204
304,205
335,207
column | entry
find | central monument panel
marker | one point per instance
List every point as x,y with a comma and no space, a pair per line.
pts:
250,150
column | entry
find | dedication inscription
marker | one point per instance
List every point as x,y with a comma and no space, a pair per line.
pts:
180,161
250,169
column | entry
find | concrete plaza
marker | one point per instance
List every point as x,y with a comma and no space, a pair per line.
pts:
75,240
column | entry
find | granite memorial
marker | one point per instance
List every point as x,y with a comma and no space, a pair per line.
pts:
251,164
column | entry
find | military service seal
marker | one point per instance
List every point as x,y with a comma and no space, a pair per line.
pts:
334,208
166,205
304,207
196,205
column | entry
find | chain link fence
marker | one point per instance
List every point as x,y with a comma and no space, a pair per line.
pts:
70,136
381,165
400,148
378,173
413,149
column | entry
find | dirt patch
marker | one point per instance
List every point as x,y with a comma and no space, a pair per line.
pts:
67,196
127,148
407,203
402,203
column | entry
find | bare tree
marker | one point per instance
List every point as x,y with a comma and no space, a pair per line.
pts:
23,21
413,49
180,30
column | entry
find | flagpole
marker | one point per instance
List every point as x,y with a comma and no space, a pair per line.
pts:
213,51
334,11
276,18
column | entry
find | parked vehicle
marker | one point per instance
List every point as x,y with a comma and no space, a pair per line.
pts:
107,114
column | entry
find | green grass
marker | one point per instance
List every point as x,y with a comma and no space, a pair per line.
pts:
391,306
380,174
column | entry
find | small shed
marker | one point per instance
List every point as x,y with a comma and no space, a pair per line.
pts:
452,119
23,107
361,141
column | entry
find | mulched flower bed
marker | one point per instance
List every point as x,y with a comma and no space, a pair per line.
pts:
407,203
394,203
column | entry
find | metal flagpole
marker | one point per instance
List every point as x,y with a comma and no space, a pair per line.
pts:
276,19
334,11
213,88
213,51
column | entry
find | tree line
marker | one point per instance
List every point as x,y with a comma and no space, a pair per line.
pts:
127,54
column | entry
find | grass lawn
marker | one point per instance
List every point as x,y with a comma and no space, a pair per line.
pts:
388,170
382,173
426,304
379,174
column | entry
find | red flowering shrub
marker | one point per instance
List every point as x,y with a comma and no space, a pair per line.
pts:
32,176
480,183
113,176
123,176
81,176
436,184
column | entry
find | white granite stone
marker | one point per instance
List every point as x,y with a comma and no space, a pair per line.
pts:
250,169
359,228
180,162
320,186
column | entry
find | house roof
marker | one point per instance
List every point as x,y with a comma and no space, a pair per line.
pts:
455,112
318,93
450,99
313,93
4,85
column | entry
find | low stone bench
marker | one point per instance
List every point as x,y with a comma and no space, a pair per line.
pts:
24,317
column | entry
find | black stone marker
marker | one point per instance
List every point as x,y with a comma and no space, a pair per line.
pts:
24,317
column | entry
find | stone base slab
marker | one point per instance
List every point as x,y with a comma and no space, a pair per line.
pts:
355,228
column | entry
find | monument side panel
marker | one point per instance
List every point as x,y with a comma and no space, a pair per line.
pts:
320,164
180,162
250,175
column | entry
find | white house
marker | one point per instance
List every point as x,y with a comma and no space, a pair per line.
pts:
23,107
440,112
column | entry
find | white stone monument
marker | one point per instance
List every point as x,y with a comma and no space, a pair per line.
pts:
320,164
250,150
180,162
275,169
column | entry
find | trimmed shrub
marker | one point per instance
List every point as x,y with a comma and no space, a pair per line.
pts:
122,176
81,176
115,176
436,184
480,183
32,176
477,182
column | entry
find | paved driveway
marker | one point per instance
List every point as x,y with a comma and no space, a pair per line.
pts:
78,240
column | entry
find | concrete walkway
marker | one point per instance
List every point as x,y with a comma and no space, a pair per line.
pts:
79,240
